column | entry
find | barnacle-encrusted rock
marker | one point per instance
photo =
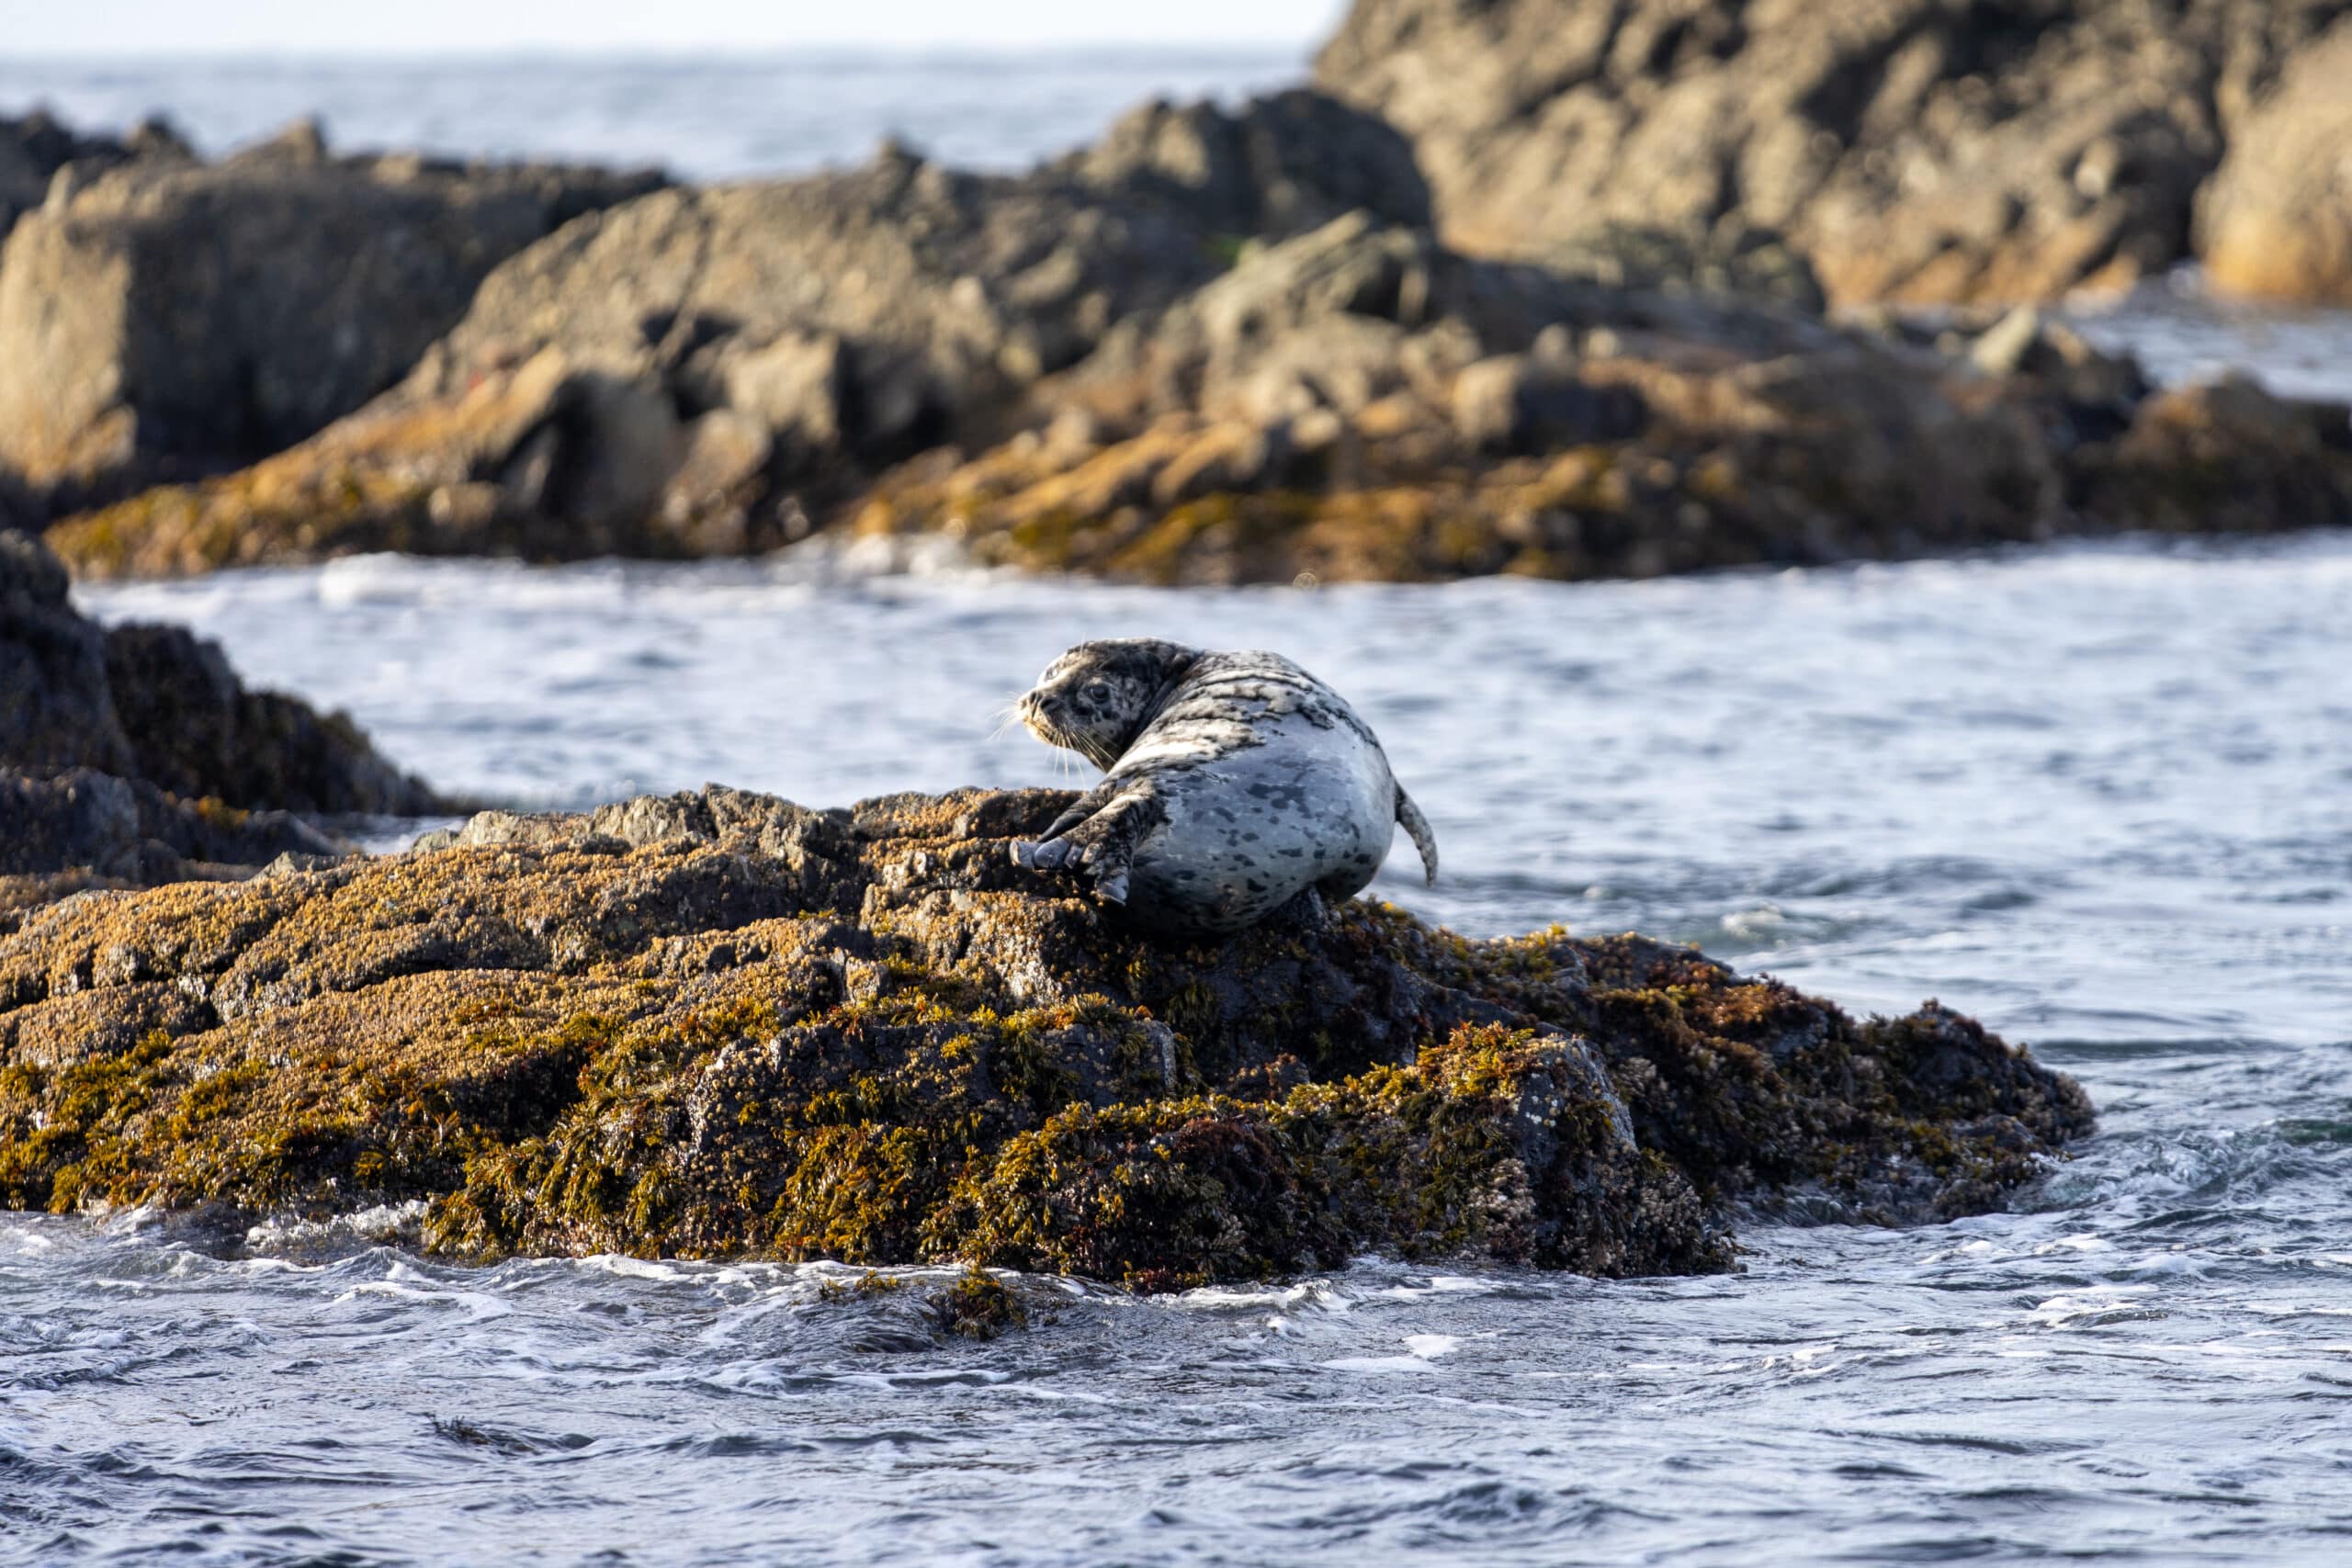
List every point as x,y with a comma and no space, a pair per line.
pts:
720,1024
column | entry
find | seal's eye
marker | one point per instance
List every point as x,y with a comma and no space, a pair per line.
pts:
1098,691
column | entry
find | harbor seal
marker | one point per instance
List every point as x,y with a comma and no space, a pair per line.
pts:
1232,783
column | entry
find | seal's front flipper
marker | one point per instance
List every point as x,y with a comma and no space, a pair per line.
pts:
1049,854
1099,798
1418,826
1103,845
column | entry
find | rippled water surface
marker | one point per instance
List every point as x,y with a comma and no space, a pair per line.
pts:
2101,796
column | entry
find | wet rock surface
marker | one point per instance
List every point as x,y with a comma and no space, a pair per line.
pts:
162,317
720,1024
1995,152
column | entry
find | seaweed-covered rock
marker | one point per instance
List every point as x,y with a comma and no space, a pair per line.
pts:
1362,403
162,318
2276,221
720,1024
1922,151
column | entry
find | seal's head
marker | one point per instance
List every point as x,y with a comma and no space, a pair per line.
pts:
1097,697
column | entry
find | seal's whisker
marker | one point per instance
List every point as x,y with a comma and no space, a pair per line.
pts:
1007,715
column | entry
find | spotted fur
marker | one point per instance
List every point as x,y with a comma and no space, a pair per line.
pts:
1232,783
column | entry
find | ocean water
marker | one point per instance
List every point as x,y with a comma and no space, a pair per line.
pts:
702,118
2100,796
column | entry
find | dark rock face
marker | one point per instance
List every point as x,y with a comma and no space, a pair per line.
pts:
163,318
127,750
1915,150
196,730
56,706
720,1024
2275,223
33,149
1281,165
82,830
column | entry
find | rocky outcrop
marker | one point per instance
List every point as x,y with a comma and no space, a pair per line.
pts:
1360,404
36,148
1136,362
158,703
132,755
1918,150
56,703
161,317
697,372
2275,223
718,1024
1277,166
1356,402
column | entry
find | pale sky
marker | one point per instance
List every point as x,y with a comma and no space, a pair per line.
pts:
296,27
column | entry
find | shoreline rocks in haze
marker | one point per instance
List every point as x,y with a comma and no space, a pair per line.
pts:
2000,152
162,318
1257,344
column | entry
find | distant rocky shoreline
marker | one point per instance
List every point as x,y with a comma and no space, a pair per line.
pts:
1525,288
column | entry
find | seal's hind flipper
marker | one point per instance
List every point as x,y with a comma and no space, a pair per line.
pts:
1409,816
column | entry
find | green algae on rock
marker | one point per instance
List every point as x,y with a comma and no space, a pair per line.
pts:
723,1025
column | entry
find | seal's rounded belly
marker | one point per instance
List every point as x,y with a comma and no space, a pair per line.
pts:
1247,831
1234,782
